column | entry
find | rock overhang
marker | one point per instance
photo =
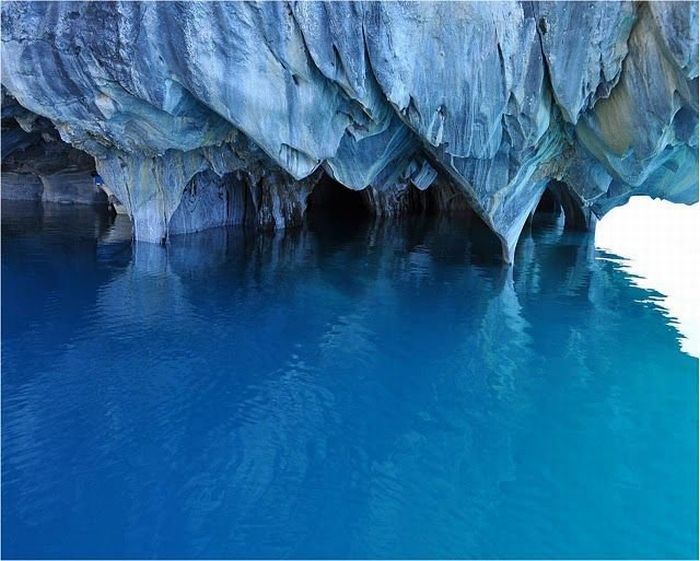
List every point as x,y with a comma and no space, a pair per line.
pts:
495,99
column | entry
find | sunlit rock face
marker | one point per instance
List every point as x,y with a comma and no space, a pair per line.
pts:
202,114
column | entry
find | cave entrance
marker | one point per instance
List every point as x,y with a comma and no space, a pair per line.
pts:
37,165
558,198
331,200
549,203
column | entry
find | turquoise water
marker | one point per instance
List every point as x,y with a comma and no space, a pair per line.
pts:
363,390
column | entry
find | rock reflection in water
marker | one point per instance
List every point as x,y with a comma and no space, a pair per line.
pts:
377,389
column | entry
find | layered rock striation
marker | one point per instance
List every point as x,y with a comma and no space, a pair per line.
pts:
203,114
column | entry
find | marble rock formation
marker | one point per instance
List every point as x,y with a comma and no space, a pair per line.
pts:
37,165
202,114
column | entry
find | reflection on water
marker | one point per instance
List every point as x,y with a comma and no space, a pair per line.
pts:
376,390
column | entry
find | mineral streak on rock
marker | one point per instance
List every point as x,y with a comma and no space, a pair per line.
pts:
203,114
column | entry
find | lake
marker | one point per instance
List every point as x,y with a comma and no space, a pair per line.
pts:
374,389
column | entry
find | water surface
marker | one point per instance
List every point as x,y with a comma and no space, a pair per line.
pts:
373,390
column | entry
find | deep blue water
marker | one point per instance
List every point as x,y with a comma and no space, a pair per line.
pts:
376,390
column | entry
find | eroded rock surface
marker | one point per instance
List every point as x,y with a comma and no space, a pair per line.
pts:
37,165
202,114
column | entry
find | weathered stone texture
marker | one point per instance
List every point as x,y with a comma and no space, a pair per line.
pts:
191,110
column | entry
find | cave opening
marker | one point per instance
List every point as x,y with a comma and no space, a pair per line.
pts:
209,201
442,209
38,165
330,200
549,203
559,199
